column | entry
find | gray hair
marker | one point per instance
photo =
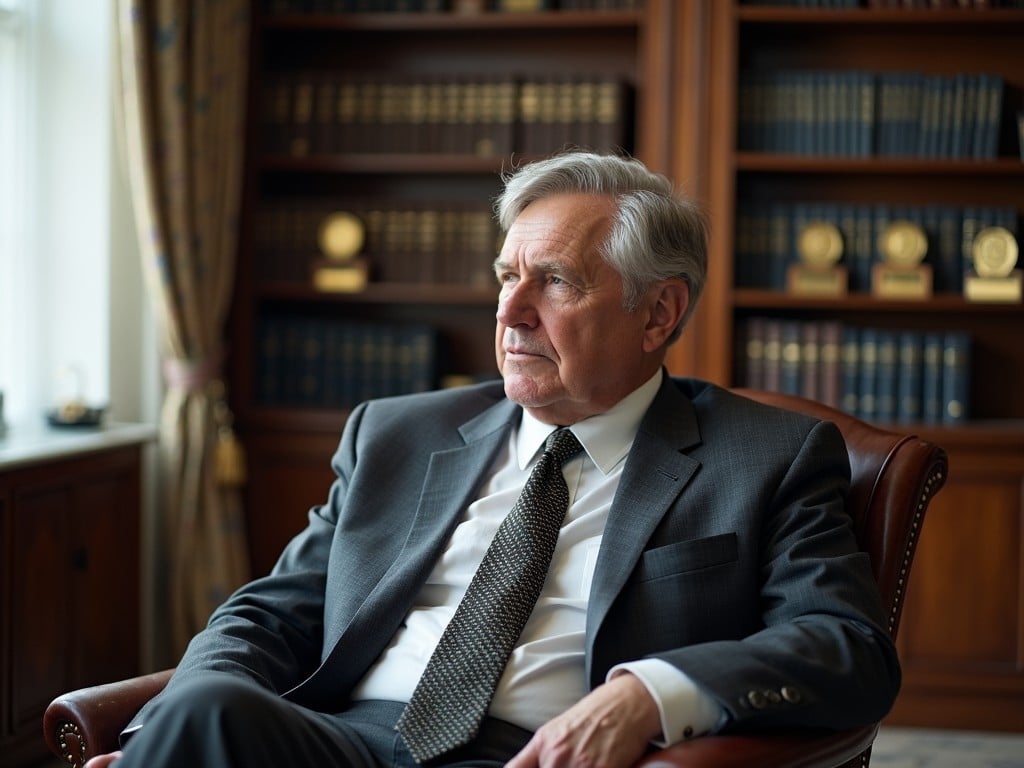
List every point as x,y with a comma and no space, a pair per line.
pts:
655,236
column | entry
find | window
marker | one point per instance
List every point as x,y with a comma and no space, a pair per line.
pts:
55,216
14,132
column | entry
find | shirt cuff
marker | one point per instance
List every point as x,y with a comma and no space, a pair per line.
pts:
686,711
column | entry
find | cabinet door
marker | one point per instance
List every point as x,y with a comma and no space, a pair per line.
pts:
41,623
105,609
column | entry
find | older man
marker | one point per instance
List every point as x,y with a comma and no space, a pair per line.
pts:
697,569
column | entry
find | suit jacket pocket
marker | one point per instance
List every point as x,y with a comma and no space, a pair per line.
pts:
684,556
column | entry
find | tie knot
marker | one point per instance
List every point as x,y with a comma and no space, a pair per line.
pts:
562,444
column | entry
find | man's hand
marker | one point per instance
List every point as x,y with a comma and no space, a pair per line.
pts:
102,761
608,728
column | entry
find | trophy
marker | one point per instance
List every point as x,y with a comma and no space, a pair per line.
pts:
902,275
993,278
341,270
820,246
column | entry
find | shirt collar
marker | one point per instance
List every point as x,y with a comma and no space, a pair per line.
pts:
606,437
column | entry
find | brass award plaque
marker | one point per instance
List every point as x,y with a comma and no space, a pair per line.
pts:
902,275
341,236
994,277
820,245
340,270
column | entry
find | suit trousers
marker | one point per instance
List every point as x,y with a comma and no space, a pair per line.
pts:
228,722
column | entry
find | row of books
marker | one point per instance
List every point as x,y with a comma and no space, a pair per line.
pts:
767,237
328,112
413,244
319,362
881,375
865,114
444,6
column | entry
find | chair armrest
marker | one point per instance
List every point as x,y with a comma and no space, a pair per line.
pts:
786,749
85,723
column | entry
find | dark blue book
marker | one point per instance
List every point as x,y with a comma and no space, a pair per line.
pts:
751,341
909,378
885,376
270,345
949,270
790,362
862,252
849,367
867,379
931,378
990,110
780,248
772,355
956,359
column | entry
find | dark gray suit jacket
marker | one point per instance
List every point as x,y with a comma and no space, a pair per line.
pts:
727,553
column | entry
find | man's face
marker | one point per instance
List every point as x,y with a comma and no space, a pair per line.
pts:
564,345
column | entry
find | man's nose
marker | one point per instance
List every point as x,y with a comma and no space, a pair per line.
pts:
516,305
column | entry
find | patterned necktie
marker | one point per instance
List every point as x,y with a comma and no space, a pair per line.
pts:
449,703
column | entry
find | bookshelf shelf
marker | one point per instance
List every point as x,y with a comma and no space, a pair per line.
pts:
385,293
904,18
453,22
753,162
939,303
386,164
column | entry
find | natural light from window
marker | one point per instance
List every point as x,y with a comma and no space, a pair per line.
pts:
55,169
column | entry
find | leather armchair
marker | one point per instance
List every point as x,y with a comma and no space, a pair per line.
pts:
894,477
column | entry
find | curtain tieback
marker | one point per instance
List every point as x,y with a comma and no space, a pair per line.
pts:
192,376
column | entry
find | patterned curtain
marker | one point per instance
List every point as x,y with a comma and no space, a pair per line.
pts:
182,68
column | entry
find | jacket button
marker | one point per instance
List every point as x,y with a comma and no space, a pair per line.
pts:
791,694
757,699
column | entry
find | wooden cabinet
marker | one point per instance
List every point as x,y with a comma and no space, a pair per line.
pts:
962,636
405,120
69,583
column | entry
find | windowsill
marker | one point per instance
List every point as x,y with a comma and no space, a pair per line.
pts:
32,444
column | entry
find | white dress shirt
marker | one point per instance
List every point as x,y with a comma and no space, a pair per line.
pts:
545,674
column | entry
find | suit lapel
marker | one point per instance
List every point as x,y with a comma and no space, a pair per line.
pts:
655,474
444,495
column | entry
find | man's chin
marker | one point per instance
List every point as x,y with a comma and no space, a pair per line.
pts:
526,391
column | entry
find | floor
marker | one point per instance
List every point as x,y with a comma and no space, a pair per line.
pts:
926,748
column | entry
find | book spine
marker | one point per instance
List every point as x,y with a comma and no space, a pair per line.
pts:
909,390
956,353
885,377
931,378
867,379
850,367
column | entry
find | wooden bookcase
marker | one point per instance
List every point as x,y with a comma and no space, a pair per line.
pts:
399,168
962,637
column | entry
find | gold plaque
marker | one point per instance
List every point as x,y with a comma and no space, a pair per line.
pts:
332,277
341,236
994,278
904,244
994,252
902,275
820,245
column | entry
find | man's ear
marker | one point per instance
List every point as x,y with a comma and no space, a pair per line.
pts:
667,303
